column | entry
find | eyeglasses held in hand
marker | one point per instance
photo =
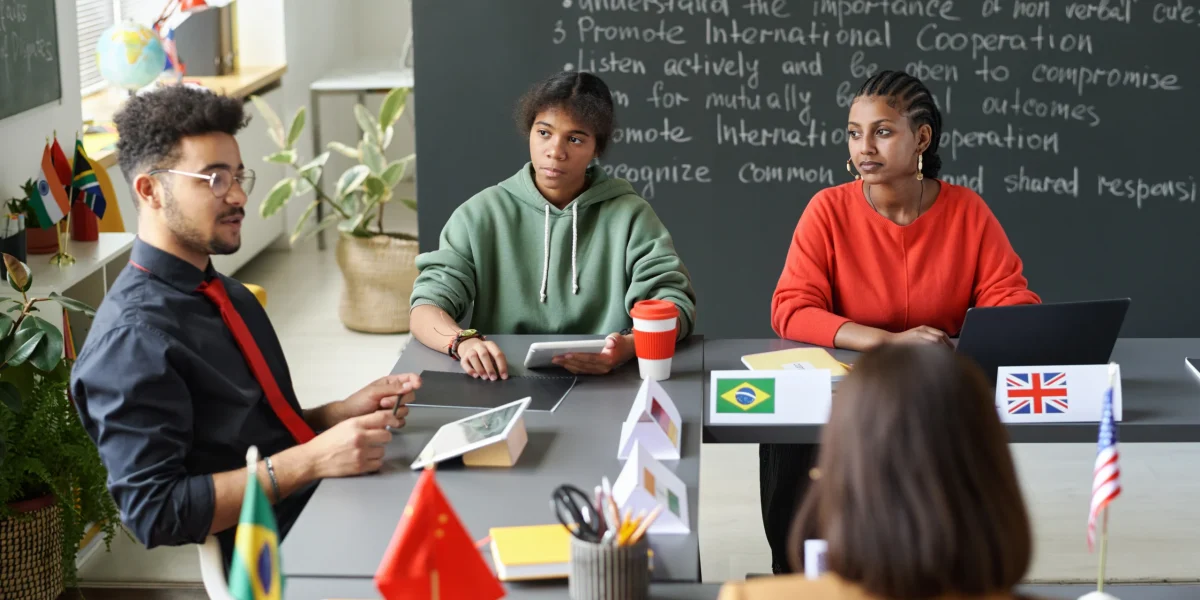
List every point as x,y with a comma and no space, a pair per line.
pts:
220,180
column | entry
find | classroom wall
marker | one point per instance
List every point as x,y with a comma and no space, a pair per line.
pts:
318,37
23,135
384,24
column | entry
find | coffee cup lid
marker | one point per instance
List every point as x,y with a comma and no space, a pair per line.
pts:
653,310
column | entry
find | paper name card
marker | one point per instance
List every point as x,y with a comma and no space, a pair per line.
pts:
1055,394
645,483
654,422
770,397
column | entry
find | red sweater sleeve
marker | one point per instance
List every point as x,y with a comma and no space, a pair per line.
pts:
998,277
803,299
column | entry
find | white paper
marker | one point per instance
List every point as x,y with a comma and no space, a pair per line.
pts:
770,397
653,421
645,483
1055,394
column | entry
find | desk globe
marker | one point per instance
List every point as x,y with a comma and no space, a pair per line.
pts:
130,55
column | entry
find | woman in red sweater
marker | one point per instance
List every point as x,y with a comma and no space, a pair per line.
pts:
893,256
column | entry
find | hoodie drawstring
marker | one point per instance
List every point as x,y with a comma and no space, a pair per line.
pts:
546,254
574,245
574,238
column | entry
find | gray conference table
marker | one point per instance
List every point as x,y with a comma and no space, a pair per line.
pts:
1161,397
326,588
348,522
357,588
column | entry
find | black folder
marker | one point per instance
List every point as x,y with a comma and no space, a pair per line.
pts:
459,390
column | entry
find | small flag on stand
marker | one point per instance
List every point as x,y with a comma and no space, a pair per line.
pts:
1106,482
48,195
256,572
62,167
431,555
85,183
1106,474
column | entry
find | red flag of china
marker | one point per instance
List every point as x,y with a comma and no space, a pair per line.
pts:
62,167
431,555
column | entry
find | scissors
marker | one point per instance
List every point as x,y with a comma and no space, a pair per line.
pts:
574,509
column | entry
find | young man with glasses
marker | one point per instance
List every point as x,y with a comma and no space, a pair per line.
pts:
182,371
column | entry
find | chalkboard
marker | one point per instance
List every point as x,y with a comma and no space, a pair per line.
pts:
1071,118
29,59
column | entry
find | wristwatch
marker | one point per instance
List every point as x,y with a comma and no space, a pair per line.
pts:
463,335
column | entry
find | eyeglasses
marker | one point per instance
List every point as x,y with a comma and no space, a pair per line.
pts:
220,180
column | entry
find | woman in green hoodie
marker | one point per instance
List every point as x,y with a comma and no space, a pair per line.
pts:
559,247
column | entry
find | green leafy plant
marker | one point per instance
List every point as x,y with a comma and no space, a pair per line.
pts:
362,191
20,206
44,448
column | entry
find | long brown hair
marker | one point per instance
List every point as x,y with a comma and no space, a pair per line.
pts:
917,495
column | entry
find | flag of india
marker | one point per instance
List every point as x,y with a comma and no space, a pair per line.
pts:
48,198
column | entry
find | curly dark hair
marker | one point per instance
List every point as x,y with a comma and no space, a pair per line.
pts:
583,95
910,96
152,124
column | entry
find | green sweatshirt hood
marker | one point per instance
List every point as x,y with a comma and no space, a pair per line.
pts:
514,263
600,188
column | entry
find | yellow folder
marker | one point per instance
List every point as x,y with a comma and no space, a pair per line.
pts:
796,358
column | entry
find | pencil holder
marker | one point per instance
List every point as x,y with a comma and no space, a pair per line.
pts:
609,572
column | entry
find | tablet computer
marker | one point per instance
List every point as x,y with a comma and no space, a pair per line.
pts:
476,431
542,353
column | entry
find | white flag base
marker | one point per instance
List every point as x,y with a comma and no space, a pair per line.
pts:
1098,596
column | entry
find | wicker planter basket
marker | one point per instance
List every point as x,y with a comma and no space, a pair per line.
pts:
378,273
31,551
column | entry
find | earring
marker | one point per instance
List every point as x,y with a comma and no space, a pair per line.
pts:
920,166
848,170
814,473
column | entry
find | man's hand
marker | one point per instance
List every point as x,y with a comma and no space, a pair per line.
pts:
354,446
381,394
482,358
617,350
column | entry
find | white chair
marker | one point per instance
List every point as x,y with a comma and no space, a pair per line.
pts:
212,570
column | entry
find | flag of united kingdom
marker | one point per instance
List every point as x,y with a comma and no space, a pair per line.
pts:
1036,393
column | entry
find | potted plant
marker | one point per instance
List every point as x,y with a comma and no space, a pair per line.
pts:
12,231
39,240
378,266
52,483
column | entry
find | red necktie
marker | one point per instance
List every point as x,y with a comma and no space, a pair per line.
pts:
215,291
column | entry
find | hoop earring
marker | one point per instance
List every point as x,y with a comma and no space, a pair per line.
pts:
848,170
920,166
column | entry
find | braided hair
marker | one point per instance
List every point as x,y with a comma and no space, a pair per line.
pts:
907,94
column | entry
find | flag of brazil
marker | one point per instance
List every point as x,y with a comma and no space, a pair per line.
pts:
746,396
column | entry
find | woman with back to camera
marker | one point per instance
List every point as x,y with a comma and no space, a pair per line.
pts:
915,492
559,247
893,256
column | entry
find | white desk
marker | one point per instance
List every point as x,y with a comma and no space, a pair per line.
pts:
368,77
91,259
96,265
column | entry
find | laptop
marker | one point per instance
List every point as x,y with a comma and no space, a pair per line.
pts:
1063,333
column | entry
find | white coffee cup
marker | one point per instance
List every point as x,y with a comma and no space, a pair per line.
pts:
814,558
